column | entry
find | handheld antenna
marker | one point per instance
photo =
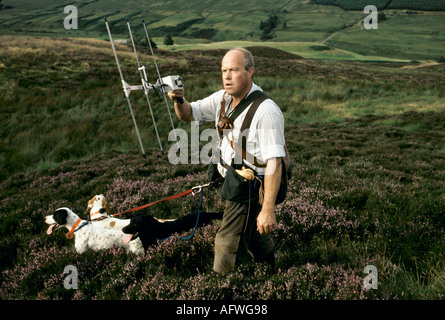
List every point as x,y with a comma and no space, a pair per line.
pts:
144,84
126,87
159,77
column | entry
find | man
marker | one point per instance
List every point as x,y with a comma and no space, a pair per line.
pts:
246,228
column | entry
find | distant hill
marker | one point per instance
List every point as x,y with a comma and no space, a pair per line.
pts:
424,5
207,19
334,23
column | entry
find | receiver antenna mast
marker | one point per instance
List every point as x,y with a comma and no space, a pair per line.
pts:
160,78
127,88
144,84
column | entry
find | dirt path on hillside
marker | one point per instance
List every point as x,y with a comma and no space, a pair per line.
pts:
354,27
422,65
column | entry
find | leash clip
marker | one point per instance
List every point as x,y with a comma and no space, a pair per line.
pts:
198,189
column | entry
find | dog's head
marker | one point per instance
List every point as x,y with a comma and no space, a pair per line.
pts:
98,207
62,217
142,226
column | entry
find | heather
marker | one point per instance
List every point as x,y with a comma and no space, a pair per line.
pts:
354,200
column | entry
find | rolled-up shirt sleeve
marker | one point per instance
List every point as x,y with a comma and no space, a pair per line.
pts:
206,109
270,132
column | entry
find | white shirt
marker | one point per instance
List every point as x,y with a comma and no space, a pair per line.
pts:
265,138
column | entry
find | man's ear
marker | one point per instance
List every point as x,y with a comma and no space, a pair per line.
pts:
251,71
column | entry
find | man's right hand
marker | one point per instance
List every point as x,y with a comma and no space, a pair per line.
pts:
176,94
182,108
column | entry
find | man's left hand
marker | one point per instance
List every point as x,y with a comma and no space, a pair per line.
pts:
266,221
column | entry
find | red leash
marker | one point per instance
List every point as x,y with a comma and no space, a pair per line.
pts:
162,200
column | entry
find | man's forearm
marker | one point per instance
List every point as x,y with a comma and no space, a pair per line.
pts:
184,111
266,220
272,181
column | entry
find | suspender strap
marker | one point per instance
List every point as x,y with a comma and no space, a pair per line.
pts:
244,104
249,116
258,98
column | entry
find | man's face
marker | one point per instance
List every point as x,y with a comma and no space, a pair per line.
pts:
236,79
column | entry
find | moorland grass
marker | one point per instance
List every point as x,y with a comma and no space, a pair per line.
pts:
71,106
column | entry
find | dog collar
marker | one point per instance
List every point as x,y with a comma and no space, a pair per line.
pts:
101,217
93,214
70,233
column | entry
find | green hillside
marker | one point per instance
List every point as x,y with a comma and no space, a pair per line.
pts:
427,5
404,34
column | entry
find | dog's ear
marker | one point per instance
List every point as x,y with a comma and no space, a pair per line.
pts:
105,205
60,216
130,228
148,222
137,224
90,204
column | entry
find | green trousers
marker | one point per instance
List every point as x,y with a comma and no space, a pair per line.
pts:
238,240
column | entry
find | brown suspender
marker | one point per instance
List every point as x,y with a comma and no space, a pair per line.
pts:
241,151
